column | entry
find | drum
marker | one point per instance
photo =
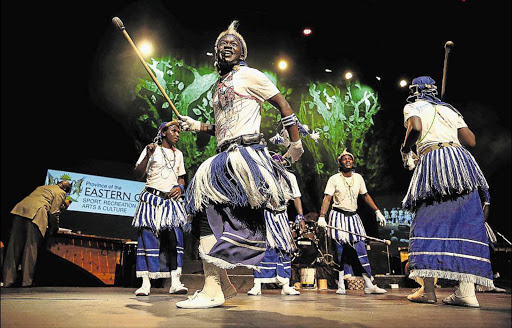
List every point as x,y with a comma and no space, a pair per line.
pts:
310,231
307,251
307,277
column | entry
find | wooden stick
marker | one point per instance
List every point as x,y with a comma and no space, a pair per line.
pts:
447,48
121,26
387,242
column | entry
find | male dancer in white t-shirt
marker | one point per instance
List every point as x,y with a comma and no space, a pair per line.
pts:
344,188
230,190
161,215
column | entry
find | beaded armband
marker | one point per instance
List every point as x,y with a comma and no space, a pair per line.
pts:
290,120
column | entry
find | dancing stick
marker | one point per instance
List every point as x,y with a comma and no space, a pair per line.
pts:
117,22
447,48
385,241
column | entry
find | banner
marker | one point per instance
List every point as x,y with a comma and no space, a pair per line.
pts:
96,194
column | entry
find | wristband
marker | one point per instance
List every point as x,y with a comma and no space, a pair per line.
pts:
181,187
290,120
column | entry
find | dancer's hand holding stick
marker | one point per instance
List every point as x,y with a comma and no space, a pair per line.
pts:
384,241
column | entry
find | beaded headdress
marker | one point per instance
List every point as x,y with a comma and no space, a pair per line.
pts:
424,88
345,152
164,125
232,31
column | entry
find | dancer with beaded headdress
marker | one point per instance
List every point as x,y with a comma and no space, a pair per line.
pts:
344,189
448,236
230,190
160,216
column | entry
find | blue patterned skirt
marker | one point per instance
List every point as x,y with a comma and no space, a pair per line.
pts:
232,188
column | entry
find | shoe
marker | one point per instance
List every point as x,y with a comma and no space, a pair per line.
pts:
375,290
469,301
179,289
420,297
287,290
254,291
229,292
200,300
143,291
341,291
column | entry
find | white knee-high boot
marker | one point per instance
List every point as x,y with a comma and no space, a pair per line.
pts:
341,283
256,289
145,288
370,288
211,295
176,286
286,289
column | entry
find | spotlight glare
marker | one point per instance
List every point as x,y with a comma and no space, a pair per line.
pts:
209,54
282,65
307,31
403,83
348,75
378,78
328,70
146,48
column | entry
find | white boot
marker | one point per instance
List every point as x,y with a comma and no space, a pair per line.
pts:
341,283
370,288
463,296
145,288
176,286
288,290
256,289
211,295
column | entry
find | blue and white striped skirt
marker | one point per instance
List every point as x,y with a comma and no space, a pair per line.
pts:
276,267
448,240
156,256
156,213
443,172
242,176
279,234
350,223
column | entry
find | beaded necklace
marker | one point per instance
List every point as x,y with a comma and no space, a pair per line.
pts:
169,165
348,187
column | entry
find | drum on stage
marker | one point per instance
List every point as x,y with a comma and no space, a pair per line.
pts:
307,251
308,277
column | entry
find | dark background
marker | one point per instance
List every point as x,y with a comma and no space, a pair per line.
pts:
68,77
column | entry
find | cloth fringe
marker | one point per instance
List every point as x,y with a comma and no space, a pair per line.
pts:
279,234
442,172
241,176
223,264
458,276
351,223
152,275
157,213
490,234
275,280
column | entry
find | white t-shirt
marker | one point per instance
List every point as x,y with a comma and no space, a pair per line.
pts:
295,186
344,191
237,103
162,174
439,123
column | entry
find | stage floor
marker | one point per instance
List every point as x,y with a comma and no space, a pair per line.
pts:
118,307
